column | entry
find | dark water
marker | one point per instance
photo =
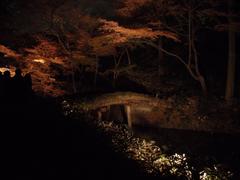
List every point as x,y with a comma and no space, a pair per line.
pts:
203,148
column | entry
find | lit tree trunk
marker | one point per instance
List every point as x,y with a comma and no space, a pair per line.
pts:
193,71
96,72
189,37
73,78
231,57
199,76
115,72
67,50
116,66
160,57
193,55
128,114
128,57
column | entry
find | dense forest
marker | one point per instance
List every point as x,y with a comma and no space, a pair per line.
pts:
171,64
62,41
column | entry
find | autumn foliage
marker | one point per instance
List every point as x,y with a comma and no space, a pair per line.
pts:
71,36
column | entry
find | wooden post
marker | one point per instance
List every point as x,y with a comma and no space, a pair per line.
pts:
108,113
128,113
99,114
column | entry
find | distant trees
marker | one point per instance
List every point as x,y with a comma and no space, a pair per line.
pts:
230,25
72,31
182,18
185,18
115,40
83,39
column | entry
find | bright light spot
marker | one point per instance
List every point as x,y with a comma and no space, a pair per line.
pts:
3,69
11,69
42,61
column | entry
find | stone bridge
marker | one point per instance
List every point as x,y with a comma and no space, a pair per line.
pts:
134,108
148,111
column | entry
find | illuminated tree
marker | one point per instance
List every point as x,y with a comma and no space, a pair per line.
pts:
72,30
91,38
46,65
7,52
115,40
73,33
43,62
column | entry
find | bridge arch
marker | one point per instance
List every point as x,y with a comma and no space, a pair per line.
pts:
128,99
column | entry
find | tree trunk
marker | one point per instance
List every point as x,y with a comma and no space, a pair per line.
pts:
189,38
193,55
128,114
231,57
203,85
128,57
96,72
199,75
160,57
73,80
